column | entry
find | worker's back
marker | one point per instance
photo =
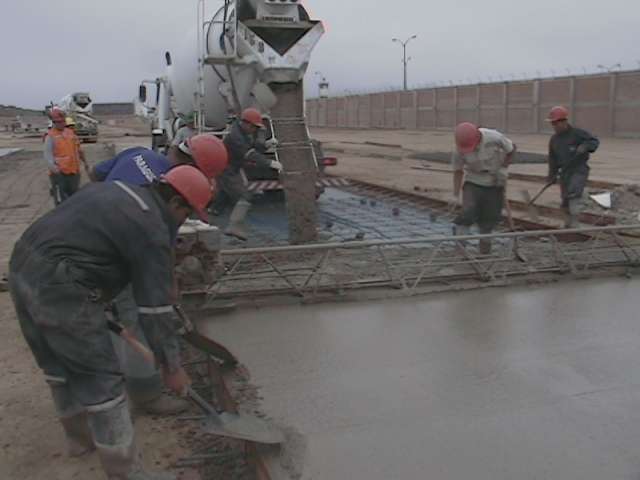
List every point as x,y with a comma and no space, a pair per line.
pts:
137,166
106,233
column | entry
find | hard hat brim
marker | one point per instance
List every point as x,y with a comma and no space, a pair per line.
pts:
202,214
465,150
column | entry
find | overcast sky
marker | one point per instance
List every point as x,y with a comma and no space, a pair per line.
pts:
51,48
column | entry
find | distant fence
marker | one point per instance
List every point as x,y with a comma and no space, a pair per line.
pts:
119,108
607,104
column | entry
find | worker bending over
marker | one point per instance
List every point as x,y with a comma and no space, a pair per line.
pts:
243,147
481,159
569,152
141,166
63,271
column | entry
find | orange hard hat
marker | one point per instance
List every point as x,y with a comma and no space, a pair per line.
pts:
558,114
468,137
209,154
252,116
193,186
57,115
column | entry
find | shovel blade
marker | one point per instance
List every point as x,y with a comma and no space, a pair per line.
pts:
243,427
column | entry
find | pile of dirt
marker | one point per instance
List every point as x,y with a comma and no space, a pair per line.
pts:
625,204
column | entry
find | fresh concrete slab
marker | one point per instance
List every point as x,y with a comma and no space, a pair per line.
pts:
535,383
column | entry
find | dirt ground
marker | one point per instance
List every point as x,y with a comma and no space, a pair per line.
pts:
32,444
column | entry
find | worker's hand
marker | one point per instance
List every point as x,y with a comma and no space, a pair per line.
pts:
176,381
54,169
552,180
276,165
582,149
271,143
454,201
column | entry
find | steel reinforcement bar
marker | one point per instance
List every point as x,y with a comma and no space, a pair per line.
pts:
407,267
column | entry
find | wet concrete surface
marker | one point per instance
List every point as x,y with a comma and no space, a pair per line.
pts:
536,383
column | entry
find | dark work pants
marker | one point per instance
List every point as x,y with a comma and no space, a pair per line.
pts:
63,186
235,186
572,184
143,381
482,206
65,330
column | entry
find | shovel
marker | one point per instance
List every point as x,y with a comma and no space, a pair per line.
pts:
205,344
224,424
532,210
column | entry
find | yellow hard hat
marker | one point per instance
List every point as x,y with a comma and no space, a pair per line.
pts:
69,122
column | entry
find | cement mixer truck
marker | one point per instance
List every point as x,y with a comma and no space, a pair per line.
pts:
247,53
79,106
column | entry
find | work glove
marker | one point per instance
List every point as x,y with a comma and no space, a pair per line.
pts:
276,165
271,143
177,380
582,149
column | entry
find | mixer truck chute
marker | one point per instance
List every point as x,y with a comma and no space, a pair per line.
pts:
247,53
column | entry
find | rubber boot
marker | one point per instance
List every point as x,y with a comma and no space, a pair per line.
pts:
236,220
573,213
113,435
73,419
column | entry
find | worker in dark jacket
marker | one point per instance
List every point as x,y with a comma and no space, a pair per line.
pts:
243,147
141,166
63,271
569,152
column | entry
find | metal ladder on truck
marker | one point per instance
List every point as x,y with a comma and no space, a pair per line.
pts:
229,46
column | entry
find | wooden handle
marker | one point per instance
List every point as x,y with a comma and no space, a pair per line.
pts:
128,337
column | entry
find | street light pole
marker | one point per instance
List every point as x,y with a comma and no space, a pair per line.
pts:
322,79
405,60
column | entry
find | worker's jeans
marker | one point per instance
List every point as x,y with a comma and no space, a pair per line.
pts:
65,330
63,186
143,381
482,206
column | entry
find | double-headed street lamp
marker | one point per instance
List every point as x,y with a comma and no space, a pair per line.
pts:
405,60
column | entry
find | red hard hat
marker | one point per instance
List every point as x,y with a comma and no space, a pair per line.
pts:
557,114
252,116
468,137
57,115
193,186
209,153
